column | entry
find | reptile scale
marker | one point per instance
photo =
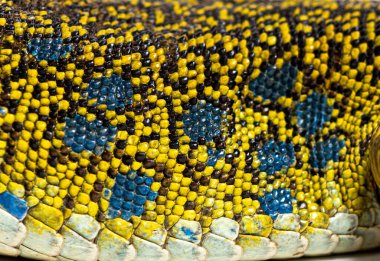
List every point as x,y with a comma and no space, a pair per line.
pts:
189,130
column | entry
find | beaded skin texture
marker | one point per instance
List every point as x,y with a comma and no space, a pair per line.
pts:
188,130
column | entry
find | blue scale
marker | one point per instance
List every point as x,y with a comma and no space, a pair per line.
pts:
274,83
325,151
275,156
279,201
202,120
48,49
129,194
13,205
314,107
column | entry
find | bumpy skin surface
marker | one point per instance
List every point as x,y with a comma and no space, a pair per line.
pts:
188,129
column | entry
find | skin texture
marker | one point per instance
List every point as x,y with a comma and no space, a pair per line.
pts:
235,129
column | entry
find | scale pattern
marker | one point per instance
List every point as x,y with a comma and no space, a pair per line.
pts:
188,129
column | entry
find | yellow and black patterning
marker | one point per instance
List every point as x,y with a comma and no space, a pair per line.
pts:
188,129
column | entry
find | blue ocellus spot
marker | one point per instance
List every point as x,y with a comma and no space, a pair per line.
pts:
48,49
111,91
129,195
313,113
203,121
13,205
81,134
273,82
276,156
279,201
324,151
